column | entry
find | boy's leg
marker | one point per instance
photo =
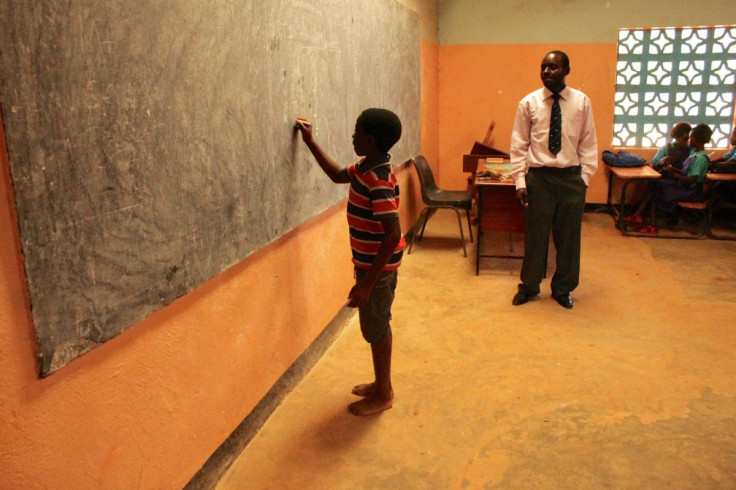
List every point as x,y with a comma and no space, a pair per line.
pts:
375,326
366,389
381,392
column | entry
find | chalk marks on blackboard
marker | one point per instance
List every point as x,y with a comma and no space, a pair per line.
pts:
152,145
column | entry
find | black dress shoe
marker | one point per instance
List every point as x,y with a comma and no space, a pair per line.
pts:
564,300
520,298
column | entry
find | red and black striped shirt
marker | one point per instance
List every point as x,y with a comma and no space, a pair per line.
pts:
374,196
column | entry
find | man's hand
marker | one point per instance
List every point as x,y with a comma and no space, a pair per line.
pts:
522,197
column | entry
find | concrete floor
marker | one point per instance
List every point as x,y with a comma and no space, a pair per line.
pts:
633,388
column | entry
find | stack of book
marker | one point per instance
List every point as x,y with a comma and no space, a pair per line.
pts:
495,169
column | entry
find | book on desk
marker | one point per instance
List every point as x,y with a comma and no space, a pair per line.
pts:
495,169
480,150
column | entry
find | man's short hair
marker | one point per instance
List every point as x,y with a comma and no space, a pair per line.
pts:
383,125
563,57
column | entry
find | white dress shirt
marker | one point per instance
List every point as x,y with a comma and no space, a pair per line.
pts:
530,135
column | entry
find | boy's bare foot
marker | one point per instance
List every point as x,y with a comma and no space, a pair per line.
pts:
366,389
370,405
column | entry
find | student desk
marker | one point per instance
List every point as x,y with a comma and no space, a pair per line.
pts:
716,180
497,211
628,175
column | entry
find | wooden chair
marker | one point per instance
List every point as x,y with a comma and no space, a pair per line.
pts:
435,198
719,180
712,199
700,209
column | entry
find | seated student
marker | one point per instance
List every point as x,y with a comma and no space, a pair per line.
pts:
673,153
728,189
676,151
730,155
687,182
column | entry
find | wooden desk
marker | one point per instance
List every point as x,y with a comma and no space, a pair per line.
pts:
497,211
717,180
628,175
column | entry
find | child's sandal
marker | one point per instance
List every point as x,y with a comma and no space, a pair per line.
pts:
647,230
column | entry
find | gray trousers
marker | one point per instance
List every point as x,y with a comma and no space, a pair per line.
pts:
556,205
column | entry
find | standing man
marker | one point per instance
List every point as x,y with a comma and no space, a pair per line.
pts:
554,153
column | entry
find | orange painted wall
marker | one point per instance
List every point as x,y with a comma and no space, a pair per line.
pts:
483,83
147,408
411,200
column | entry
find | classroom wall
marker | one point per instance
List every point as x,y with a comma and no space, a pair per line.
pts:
490,53
147,408
471,98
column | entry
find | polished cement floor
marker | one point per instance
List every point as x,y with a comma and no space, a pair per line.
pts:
634,388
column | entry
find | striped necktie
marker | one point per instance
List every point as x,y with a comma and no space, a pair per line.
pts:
555,126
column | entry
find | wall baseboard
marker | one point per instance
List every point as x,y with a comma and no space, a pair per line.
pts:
215,467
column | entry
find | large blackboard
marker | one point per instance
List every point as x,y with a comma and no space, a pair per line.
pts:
151,142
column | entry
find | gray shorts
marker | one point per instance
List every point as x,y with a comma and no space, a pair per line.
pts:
375,315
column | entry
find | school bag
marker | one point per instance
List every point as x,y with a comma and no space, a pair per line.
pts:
722,168
622,159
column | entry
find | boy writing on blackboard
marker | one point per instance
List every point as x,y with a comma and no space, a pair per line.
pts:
375,238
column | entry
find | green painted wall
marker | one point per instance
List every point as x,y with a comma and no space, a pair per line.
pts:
428,17
569,21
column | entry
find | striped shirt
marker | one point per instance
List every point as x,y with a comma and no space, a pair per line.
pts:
374,195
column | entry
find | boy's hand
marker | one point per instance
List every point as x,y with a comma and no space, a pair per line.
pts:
336,173
305,127
359,295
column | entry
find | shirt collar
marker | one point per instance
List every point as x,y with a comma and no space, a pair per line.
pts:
563,93
366,166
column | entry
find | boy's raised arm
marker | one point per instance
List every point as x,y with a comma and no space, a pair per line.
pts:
336,173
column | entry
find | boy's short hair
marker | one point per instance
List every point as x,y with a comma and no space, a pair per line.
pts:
702,132
680,128
383,125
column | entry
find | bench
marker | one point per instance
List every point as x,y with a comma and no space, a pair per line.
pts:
701,209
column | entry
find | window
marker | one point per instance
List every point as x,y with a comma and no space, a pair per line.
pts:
671,74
